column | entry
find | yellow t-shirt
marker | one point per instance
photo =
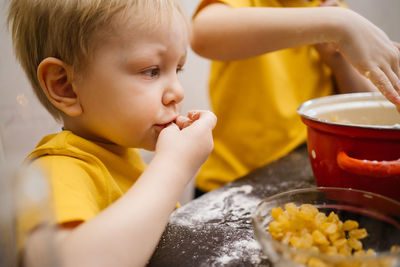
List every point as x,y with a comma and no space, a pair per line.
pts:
256,100
84,177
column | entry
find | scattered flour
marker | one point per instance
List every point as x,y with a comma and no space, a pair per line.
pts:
233,204
228,212
234,251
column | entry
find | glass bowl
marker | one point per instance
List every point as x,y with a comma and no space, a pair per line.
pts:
379,215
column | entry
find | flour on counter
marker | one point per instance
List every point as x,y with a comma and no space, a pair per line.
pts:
234,251
232,205
223,212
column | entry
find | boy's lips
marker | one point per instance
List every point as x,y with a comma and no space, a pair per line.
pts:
164,125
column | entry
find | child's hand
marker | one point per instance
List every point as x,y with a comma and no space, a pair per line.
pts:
183,122
188,142
385,76
372,53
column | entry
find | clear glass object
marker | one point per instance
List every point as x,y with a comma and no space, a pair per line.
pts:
25,212
26,219
379,215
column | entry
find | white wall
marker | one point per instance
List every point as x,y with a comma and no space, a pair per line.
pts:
22,125
384,14
22,120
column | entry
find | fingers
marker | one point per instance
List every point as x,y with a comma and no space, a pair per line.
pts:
203,116
183,122
387,77
396,62
394,79
195,115
388,83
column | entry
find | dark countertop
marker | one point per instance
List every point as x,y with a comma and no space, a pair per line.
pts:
216,229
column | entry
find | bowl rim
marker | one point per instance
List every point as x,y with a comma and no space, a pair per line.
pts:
330,258
348,97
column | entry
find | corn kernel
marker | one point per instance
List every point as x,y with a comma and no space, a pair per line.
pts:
340,242
304,231
350,225
339,225
333,217
358,233
284,221
305,216
354,243
307,240
335,236
275,226
295,241
329,228
345,250
291,208
320,218
319,238
309,229
275,212
309,209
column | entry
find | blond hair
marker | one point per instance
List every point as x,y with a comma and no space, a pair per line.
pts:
68,30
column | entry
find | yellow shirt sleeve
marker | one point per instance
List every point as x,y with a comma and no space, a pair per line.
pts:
84,177
75,184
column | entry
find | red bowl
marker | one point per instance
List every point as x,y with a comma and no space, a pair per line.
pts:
354,142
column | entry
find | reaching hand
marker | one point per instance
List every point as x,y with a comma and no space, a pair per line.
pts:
372,53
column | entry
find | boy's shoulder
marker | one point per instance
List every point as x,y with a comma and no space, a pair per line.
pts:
63,143
65,151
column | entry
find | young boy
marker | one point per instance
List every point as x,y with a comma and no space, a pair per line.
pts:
269,57
108,70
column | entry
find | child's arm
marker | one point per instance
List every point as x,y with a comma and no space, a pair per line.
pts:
127,232
225,33
348,79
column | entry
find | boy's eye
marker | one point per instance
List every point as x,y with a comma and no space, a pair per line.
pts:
154,72
179,69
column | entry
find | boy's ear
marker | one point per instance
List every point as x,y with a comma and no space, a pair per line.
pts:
55,79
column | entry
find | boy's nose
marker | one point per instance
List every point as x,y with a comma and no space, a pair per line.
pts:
173,93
